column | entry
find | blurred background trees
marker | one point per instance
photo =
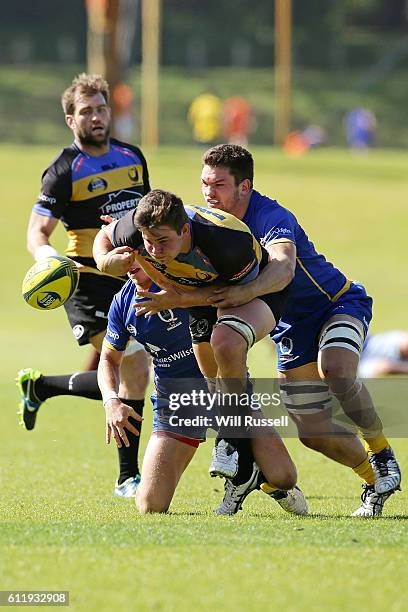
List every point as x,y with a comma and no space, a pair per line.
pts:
345,53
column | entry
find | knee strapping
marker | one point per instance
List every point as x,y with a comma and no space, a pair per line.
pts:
342,334
242,327
305,397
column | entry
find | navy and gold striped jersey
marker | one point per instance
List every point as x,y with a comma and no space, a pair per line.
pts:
223,249
78,188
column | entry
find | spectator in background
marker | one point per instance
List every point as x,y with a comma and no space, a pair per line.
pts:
238,120
360,125
385,353
205,116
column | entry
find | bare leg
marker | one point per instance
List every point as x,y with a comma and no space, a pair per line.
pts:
164,462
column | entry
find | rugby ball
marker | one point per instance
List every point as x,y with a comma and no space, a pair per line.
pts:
49,283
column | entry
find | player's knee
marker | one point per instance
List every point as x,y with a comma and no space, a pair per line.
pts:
228,345
285,478
335,371
149,504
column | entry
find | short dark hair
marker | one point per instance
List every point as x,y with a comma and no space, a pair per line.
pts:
86,84
238,160
160,207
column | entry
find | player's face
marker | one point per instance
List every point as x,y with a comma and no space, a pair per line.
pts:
90,121
219,188
138,275
164,244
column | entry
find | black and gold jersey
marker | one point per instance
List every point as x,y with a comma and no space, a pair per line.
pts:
78,188
223,249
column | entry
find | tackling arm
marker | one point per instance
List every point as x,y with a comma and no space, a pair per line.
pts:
109,260
274,277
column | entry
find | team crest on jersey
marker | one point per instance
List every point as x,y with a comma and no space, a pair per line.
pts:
286,345
168,317
205,276
133,174
97,184
132,329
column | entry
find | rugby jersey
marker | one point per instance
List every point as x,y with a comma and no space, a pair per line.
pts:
223,249
78,188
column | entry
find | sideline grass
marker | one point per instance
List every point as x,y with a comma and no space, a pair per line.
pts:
62,529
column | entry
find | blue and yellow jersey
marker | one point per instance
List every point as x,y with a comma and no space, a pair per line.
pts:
166,335
316,280
78,188
223,249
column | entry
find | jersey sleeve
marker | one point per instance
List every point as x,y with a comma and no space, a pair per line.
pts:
278,226
125,233
117,336
55,193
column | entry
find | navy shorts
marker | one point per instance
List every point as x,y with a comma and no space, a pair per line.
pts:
181,423
297,338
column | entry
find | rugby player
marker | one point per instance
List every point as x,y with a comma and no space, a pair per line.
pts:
193,248
95,175
321,333
172,445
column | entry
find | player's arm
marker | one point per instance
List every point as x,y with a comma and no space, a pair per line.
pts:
108,259
171,297
117,413
274,277
39,231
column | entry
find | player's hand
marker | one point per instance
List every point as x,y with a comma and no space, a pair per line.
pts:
117,262
162,300
117,420
228,297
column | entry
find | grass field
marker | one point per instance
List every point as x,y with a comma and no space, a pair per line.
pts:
60,526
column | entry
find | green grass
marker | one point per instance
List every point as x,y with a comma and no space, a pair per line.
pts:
60,526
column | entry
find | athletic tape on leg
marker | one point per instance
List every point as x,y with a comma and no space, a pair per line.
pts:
305,397
242,327
342,334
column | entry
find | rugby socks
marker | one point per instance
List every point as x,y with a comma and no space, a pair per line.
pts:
365,471
81,384
270,489
128,456
374,439
245,461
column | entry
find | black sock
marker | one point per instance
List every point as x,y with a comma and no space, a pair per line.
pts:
128,457
245,461
81,384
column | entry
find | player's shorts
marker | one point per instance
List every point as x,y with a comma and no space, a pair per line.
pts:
203,318
297,339
88,308
171,423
